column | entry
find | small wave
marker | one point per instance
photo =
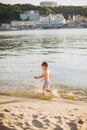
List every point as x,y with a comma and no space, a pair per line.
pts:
59,91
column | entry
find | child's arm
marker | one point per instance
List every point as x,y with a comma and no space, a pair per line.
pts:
38,77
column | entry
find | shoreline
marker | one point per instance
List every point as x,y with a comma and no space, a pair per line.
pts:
33,114
45,29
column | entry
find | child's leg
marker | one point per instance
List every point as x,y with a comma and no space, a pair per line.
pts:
44,90
48,90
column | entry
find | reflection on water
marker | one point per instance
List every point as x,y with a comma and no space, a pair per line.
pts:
45,42
22,52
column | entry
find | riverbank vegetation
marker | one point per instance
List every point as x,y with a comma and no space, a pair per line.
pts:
12,12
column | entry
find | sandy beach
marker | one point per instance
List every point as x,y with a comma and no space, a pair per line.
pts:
34,114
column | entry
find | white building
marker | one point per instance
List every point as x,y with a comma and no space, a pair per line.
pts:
80,18
48,4
22,23
5,25
71,21
30,15
51,21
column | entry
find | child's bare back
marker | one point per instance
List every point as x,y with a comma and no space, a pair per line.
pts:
46,76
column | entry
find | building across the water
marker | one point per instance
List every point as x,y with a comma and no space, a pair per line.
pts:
22,25
80,18
48,4
51,21
30,15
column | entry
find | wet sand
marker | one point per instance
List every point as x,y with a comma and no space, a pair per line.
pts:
34,114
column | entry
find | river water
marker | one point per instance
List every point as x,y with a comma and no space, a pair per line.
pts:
22,52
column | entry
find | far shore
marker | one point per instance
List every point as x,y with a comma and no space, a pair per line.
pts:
2,30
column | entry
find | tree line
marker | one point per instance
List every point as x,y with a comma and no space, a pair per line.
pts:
12,12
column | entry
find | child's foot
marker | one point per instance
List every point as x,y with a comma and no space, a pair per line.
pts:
43,93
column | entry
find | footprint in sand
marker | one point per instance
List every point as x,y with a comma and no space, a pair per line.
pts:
6,110
19,124
47,124
21,116
80,121
13,114
76,109
43,117
5,128
65,118
2,115
73,126
46,120
58,128
31,108
35,116
72,121
27,124
37,124
59,118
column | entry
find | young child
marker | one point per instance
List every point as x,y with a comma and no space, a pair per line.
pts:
46,76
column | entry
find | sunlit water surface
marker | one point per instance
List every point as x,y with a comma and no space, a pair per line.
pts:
22,52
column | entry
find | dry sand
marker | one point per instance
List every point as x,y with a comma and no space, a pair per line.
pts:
33,114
